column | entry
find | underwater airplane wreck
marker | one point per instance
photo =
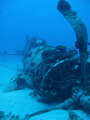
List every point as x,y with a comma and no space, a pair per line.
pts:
55,73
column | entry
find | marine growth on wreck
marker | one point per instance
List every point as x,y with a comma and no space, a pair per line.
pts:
57,74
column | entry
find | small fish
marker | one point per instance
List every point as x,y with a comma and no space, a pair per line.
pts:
62,34
63,46
17,65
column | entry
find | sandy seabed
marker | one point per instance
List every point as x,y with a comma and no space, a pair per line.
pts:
19,102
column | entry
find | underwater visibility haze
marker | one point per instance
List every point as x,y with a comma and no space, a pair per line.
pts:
44,46
38,18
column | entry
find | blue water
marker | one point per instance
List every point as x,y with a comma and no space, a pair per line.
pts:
38,18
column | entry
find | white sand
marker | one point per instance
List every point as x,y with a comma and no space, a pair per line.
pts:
19,102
